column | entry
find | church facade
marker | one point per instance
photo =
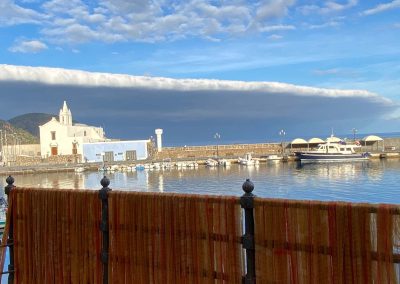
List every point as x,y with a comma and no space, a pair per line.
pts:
62,137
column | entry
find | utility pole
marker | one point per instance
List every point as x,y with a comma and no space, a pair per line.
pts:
217,136
282,133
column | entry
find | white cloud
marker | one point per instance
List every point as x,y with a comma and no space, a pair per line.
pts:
12,14
76,22
329,24
382,7
28,46
58,76
327,71
275,37
273,9
277,28
328,7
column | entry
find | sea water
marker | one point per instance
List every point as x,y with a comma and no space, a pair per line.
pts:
375,181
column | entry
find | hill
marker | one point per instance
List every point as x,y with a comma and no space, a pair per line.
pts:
30,122
15,134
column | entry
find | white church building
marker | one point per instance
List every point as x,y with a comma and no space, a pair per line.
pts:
62,137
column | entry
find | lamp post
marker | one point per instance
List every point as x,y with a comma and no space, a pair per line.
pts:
217,136
282,133
354,134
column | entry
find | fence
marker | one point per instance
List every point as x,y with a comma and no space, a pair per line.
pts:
83,236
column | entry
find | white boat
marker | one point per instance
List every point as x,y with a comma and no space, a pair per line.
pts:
193,165
333,152
211,163
79,169
224,162
248,160
274,158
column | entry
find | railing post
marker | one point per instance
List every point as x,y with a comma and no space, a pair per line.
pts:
247,203
103,195
10,239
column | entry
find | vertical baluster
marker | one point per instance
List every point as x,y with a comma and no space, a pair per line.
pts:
10,239
247,203
103,195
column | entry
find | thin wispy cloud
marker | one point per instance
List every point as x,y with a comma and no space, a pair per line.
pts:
327,7
382,8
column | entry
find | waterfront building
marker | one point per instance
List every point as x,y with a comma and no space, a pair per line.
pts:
62,137
115,151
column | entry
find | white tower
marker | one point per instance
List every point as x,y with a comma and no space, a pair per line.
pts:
65,115
159,132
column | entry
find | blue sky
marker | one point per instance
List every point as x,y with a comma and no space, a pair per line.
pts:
339,45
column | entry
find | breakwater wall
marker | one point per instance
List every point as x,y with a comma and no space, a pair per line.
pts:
223,151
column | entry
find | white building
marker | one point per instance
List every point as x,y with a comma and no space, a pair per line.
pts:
62,137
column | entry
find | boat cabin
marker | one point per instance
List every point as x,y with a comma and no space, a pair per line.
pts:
338,148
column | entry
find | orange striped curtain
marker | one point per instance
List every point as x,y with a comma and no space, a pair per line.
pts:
322,242
57,236
173,238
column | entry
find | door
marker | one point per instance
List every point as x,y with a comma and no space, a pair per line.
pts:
130,155
74,149
54,151
109,156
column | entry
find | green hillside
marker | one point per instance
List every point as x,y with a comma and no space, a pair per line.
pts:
11,134
30,122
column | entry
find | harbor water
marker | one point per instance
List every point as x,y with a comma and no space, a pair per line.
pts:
374,181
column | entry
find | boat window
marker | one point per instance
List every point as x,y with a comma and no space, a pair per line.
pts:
331,147
342,149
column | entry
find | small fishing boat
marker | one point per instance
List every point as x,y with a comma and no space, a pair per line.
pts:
224,162
333,152
79,169
211,163
248,160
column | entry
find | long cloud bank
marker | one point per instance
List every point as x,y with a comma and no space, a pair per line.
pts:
190,111
58,76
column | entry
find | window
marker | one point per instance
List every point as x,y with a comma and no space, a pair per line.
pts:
53,135
84,133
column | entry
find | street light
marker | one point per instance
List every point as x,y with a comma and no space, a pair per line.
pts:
354,134
282,133
217,136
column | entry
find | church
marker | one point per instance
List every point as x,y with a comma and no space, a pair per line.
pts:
62,137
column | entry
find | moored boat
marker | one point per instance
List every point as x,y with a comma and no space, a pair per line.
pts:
248,160
333,152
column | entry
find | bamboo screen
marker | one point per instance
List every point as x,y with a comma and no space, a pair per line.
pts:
173,238
57,236
316,242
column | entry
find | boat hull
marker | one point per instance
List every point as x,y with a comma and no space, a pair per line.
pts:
318,157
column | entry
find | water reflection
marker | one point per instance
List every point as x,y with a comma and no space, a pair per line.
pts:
372,181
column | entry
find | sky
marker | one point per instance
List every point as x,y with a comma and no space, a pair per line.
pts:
244,69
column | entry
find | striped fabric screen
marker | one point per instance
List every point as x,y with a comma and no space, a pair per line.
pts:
57,236
173,238
317,242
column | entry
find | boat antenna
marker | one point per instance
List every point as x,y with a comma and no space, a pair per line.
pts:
332,132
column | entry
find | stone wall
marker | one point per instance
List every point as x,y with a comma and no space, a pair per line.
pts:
227,151
61,159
